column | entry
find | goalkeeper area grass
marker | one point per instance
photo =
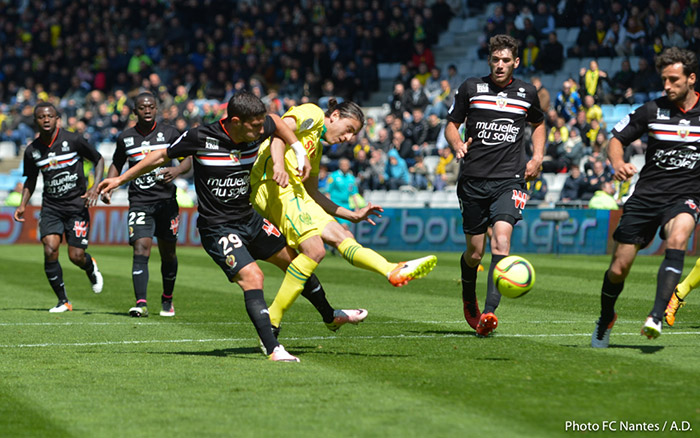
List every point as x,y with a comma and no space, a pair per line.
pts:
412,369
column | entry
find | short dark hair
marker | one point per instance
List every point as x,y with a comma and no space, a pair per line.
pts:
347,110
144,95
500,42
44,104
245,105
674,55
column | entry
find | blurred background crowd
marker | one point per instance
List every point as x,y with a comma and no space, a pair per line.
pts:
591,60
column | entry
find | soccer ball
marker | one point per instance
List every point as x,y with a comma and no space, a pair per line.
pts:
514,276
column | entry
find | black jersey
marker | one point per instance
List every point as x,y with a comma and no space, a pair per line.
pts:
221,170
133,145
672,164
61,165
495,119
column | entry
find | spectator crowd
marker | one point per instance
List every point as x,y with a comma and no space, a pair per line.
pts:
90,58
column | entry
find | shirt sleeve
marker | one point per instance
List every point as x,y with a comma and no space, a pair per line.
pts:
86,151
458,112
30,169
535,114
119,157
186,145
632,126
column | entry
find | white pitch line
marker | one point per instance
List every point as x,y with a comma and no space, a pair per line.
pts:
316,338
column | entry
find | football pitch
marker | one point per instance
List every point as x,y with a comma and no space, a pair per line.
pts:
412,369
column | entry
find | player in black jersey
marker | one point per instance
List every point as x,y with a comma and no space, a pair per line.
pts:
667,193
491,187
58,155
153,210
232,233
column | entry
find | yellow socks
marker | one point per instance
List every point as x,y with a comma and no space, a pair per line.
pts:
690,282
365,258
297,273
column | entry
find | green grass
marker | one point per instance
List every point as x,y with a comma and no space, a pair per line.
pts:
413,369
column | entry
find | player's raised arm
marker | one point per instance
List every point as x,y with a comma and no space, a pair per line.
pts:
286,133
151,161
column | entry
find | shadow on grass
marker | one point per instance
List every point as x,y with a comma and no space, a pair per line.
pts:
219,352
644,349
309,349
444,332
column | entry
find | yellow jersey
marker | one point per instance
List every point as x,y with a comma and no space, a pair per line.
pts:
309,119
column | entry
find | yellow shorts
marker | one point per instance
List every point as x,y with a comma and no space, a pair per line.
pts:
291,209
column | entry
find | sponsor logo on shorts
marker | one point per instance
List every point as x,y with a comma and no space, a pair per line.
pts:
305,218
692,205
131,231
270,229
80,228
174,225
520,199
231,261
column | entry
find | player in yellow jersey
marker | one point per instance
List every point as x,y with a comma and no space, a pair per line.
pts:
682,290
305,215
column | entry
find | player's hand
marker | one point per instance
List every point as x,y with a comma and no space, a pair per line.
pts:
305,171
533,169
90,197
461,151
168,174
106,197
19,214
366,213
280,175
107,185
625,171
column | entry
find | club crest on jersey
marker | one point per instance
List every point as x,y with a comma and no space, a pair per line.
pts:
231,261
502,100
145,147
64,146
129,141
235,157
211,143
160,137
663,114
683,128
52,159
482,88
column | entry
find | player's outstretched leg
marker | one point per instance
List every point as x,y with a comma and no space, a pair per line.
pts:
411,270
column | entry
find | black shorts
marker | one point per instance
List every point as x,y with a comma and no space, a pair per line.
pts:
236,245
160,219
485,201
75,225
642,216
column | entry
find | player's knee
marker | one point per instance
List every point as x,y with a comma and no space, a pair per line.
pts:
77,256
472,258
316,253
250,277
618,272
